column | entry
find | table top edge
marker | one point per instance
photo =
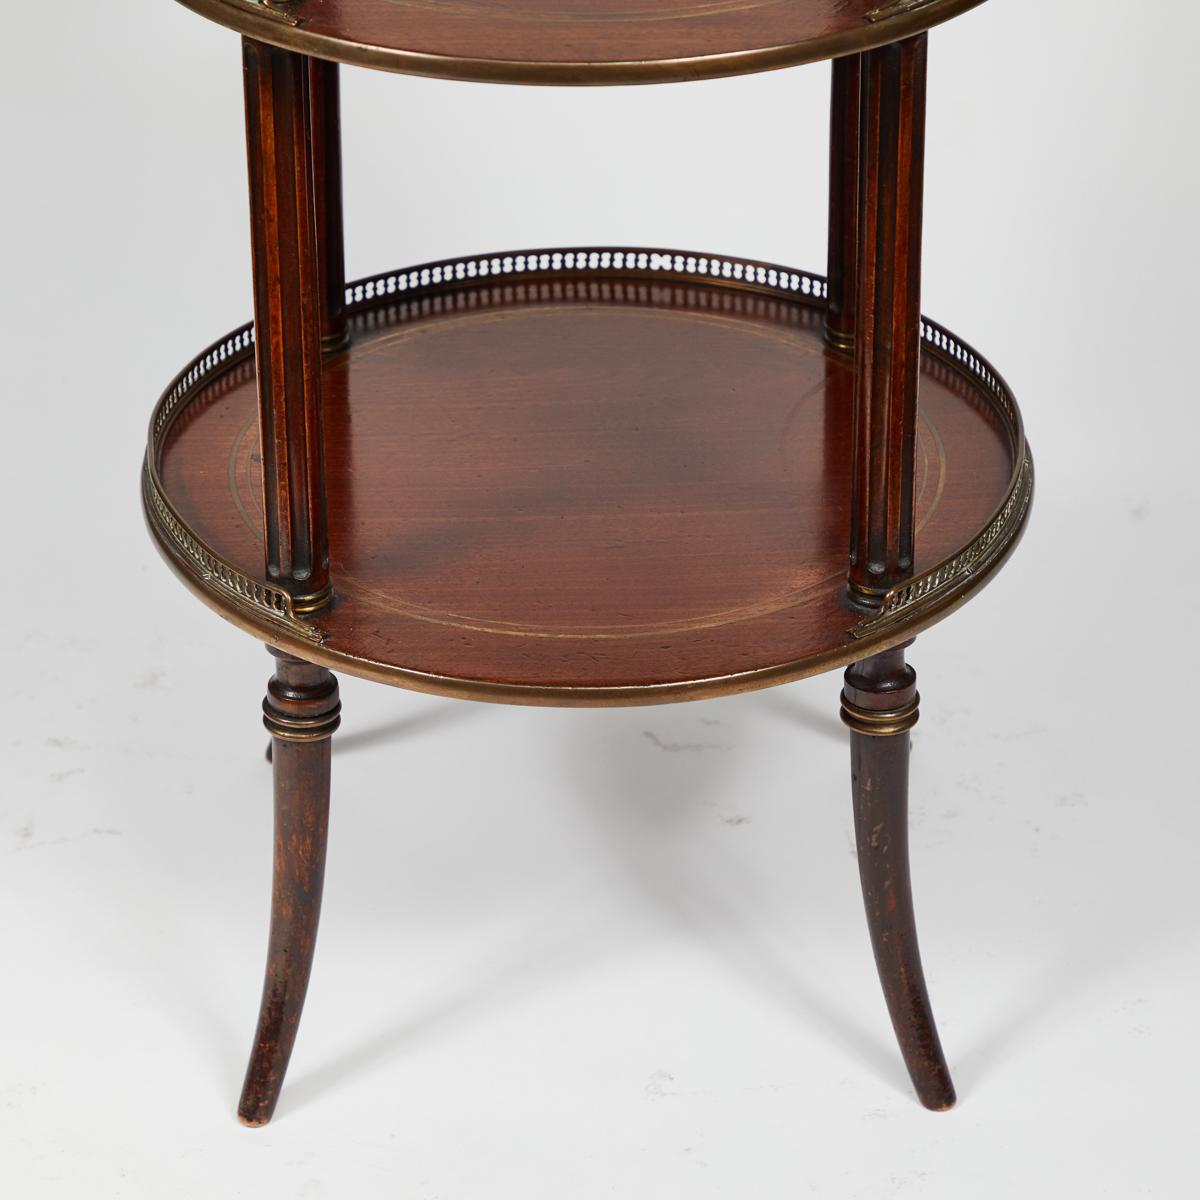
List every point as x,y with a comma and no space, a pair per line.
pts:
242,17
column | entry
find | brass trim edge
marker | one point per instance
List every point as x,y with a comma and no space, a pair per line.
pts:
885,722
331,343
837,340
301,729
258,21
311,602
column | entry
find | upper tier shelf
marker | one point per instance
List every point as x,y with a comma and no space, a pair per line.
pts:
587,477
579,41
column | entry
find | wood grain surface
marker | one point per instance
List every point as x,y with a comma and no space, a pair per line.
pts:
587,483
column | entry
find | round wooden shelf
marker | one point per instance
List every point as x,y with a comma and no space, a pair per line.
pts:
579,41
587,477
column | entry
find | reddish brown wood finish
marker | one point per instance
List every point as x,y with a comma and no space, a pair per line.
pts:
593,489
327,180
301,711
842,276
880,706
887,331
588,484
286,321
580,41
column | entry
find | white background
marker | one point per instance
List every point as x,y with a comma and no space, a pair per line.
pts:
618,953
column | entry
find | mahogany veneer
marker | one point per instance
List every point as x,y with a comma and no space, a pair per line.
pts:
586,476
573,490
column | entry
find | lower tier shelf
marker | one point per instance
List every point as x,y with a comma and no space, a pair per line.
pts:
587,477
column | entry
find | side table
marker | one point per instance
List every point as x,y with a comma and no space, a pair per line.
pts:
586,475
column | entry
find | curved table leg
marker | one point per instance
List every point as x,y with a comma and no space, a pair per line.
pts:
880,705
301,711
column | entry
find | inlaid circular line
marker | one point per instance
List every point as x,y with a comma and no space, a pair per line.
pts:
351,584
784,602
236,589
542,17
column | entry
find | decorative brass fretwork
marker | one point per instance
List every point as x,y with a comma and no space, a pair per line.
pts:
950,575
435,282
443,275
923,591
209,569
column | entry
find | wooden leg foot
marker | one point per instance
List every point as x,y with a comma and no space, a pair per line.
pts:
301,711
879,704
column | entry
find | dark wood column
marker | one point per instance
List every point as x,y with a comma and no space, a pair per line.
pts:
887,326
287,321
327,178
843,202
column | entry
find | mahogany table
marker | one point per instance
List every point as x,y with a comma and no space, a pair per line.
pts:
586,475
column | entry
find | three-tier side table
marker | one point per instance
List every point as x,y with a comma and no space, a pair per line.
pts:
586,475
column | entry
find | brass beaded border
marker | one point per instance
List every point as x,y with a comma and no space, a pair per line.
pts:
954,573
253,597
209,570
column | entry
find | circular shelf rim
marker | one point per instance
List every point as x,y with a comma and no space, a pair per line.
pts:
891,21
265,610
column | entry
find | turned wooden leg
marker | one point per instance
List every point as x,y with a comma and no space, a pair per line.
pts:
880,705
301,712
